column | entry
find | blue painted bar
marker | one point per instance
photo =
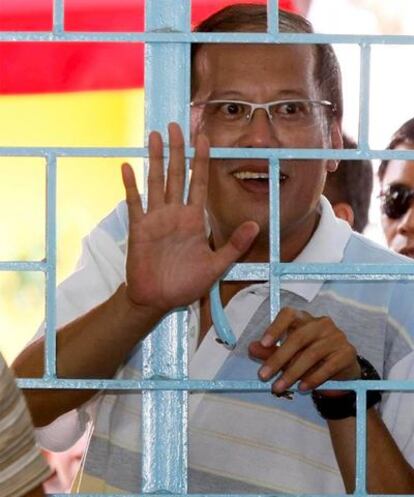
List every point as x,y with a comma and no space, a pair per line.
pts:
361,442
274,236
58,17
204,385
50,291
364,97
23,266
273,17
227,495
260,153
164,413
288,271
186,37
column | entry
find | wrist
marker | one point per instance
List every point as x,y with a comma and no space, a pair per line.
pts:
134,312
343,406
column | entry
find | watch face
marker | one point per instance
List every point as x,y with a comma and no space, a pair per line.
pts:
368,372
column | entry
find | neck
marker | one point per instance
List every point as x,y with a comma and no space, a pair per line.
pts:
292,241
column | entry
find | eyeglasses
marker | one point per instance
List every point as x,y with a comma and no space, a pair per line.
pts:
284,114
396,201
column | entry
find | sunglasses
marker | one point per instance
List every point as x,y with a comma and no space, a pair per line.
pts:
396,201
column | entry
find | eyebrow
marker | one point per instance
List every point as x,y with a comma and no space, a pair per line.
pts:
238,95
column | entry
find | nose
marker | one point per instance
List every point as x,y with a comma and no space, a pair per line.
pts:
259,132
406,224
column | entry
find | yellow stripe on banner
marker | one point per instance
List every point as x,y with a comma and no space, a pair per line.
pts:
87,189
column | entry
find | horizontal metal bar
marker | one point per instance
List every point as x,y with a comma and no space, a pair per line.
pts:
356,494
183,37
202,385
286,271
248,153
23,266
248,272
321,272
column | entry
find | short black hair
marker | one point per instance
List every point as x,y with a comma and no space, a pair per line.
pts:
352,183
246,17
404,134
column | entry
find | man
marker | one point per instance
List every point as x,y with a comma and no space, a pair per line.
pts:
243,96
397,194
349,189
22,468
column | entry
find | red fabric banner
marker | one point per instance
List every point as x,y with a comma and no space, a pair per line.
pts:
44,67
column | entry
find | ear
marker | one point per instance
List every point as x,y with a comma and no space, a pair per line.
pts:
195,124
336,143
344,211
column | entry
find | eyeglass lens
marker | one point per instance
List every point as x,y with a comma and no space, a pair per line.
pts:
397,201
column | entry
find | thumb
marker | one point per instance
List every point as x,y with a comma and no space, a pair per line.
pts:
239,242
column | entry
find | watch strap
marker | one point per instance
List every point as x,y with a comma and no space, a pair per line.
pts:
344,406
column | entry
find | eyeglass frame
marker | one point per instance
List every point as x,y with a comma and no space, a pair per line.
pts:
408,196
265,105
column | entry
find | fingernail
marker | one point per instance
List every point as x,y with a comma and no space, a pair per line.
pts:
267,341
303,387
280,386
264,372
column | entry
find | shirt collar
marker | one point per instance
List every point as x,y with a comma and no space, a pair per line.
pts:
327,245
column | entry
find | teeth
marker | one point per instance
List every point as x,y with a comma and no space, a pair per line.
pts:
254,175
250,175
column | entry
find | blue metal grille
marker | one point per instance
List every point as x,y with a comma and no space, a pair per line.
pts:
165,388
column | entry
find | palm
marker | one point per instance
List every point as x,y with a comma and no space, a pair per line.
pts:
169,261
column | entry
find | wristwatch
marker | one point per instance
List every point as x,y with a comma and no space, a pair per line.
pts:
345,406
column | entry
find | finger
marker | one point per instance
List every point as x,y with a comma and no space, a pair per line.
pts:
331,369
237,245
288,350
133,198
156,171
286,318
257,351
200,168
306,362
176,166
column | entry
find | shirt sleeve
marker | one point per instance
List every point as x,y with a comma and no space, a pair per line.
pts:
22,467
398,406
99,272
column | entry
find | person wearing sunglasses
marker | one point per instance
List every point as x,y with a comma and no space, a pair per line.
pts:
397,193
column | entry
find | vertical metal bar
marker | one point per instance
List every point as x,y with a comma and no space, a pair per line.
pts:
361,443
272,16
364,96
274,236
58,16
50,293
164,415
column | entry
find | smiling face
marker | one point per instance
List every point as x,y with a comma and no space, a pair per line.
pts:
238,188
399,232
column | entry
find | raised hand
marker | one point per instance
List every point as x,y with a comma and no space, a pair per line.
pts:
169,261
313,351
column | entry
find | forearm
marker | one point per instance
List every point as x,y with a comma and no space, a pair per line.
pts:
387,470
93,346
36,492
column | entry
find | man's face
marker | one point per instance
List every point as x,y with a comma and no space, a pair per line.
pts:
399,232
259,74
